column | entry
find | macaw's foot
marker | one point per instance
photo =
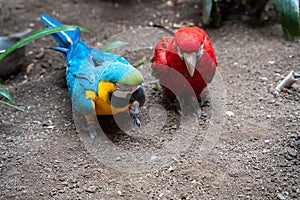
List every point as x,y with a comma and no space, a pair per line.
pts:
92,130
134,113
187,106
198,112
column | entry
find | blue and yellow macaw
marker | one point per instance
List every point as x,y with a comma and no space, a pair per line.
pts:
99,83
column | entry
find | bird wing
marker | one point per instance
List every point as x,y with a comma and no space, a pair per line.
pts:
207,65
159,61
100,56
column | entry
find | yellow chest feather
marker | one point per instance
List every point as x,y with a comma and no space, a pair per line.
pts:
102,104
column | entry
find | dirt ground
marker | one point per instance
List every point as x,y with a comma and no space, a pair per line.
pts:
251,152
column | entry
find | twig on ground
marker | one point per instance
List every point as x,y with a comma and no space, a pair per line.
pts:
287,82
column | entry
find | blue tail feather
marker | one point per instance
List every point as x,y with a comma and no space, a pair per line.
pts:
63,38
75,39
71,46
63,50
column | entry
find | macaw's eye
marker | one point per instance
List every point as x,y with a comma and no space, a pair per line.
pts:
96,62
200,52
139,95
180,54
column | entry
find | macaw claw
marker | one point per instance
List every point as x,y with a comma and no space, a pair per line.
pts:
134,113
137,122
198,112
92,130
93,136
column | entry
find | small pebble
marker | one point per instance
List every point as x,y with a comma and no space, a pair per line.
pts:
118,159
272,62
170,3
265,151
171,169
229,113
280,196
91,189
31,25
153,157
39,55
292,152
263,78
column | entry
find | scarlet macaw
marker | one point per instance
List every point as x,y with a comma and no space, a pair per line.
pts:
184,64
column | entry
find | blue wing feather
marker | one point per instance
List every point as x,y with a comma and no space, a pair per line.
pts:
102,56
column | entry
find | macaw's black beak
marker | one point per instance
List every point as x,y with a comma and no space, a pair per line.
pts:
136,97
122,98
139,95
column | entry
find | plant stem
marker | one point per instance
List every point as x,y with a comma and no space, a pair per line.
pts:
13,106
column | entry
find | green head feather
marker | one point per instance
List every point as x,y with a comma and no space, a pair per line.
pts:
132,77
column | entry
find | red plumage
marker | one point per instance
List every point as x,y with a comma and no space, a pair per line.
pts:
170,67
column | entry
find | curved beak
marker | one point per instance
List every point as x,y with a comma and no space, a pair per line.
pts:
123,97
190,60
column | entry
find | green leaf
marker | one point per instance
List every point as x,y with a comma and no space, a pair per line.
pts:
157,88
288,14
154,74
6,94
140,62
12,106
38,34
113,45
205,103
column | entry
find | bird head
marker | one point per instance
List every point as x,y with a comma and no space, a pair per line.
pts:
189,42
127,84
